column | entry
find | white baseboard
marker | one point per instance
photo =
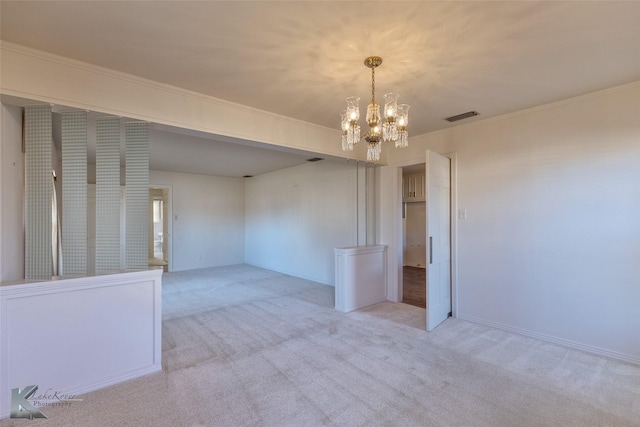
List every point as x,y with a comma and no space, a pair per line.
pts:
137,373
552,339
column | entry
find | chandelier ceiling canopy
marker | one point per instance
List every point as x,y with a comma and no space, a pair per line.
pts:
391,128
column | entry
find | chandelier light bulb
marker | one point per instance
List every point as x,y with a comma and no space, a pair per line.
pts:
403,115
390,105
344,121
353,108
389,128
403,121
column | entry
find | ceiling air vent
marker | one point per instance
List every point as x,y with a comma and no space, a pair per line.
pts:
462,116
248,176
315,159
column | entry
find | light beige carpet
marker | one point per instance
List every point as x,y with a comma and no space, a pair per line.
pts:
244,346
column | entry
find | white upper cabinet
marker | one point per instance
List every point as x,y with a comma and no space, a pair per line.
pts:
413,187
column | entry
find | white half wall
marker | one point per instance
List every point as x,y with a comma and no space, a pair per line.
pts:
550,246
76,335
295,218
207,220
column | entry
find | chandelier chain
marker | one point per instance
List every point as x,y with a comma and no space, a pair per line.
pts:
373,85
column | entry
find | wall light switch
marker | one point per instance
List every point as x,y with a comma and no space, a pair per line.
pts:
462,214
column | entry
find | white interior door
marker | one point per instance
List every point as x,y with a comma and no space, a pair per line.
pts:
438,196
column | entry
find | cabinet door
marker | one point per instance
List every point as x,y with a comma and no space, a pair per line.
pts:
406,187
419,192
413,187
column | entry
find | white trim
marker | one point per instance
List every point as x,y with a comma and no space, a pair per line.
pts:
553,339
454,231
397,197
3,204
397,231
169,189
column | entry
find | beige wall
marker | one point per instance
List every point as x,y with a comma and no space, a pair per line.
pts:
551,243
295,218
207,219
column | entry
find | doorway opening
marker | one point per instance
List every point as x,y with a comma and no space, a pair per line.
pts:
428,252
414,235
159,228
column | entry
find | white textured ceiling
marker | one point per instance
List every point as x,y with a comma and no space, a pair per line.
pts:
301,59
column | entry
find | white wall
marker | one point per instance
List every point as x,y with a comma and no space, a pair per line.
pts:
295,218
11,194
208,219
551,243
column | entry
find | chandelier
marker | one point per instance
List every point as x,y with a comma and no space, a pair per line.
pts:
393,128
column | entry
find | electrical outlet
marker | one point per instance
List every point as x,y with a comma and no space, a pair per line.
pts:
462,214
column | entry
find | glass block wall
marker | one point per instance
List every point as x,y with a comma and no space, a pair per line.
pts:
38,192
113,252
107,195
74,192
137,197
